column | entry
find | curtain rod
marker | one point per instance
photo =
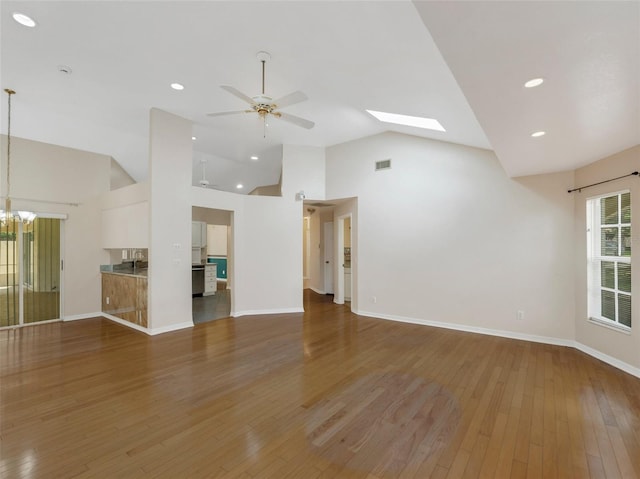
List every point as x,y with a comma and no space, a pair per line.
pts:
635,173
44,201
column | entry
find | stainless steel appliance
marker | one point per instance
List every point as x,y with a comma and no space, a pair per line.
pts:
197,280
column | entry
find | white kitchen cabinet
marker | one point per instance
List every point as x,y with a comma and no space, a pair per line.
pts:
210,279
198,234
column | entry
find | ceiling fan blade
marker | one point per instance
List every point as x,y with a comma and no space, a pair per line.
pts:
296,120
223,113
291,99
238,93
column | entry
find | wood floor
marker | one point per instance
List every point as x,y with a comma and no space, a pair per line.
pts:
324,394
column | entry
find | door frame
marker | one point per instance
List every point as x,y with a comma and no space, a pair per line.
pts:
20,259
339,253
327,271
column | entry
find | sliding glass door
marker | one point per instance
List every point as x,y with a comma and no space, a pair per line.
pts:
29,272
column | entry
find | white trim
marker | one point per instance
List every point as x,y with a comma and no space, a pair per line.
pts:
168,329
316,290
474,329
55,216
76,317
607,323
137,327
26,325
121,321
606,195
512,335
616,363
252,312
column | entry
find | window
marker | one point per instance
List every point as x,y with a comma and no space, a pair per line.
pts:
609,256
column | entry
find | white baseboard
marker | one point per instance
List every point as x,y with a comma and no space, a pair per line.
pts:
76,317
513,335
121,321
252,312
627,368
150,332
474,329
315,290
171,327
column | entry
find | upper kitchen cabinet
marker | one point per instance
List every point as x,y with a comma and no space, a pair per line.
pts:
126,226
198,234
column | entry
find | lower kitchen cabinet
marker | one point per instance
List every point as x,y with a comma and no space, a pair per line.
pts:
125,296
210,279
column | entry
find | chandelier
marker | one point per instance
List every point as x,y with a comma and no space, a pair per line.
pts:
7,215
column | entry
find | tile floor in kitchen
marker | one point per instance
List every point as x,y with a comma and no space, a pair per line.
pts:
208,308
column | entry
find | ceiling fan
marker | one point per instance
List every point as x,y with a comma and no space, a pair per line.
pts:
204,182
264,105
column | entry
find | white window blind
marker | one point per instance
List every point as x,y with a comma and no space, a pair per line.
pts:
609,258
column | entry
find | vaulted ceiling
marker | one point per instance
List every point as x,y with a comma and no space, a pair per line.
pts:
462,63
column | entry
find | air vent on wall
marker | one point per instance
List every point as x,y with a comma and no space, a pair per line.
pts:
383,164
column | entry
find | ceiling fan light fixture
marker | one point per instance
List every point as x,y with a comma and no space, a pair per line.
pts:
406,120
264,105
23,19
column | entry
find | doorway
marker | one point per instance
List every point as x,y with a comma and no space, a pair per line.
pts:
30,272
328,257
215,259
344,281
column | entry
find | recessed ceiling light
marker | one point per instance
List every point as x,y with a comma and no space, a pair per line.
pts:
177,86
536,134
417,121
254,158
23,19
193,138
534,82
239,186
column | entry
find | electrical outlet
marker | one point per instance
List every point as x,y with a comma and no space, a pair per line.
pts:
520,315
107,299
374,299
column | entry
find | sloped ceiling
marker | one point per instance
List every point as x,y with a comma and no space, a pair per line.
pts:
346,56
588,53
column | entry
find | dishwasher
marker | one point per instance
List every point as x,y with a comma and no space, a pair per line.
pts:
197,280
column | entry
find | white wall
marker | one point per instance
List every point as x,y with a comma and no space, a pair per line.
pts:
446,236
211,216
170,154
621,346
125,217
55,175
303,169
266,248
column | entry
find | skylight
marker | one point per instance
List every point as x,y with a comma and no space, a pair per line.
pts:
23,19
416,121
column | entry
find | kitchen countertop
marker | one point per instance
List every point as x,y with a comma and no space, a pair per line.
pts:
137,274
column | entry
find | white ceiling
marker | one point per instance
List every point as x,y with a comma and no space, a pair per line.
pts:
346,56
588,52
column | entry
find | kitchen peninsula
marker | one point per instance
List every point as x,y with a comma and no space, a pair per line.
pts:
124,292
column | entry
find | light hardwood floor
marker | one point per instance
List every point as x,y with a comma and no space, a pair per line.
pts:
325,394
